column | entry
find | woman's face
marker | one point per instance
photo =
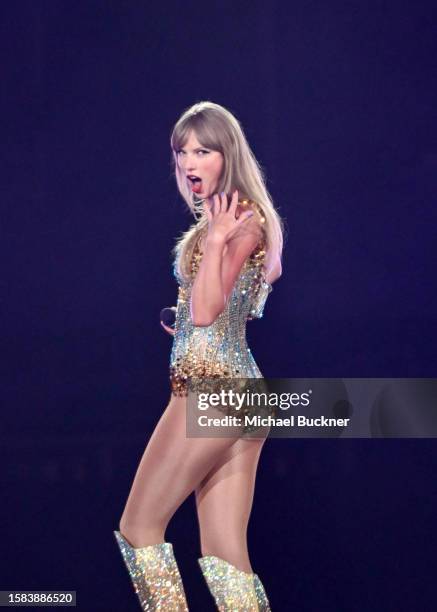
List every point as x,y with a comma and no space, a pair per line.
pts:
201,163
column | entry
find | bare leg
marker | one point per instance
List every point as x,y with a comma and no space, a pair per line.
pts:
224,502
170,469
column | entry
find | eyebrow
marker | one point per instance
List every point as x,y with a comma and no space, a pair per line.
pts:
196,149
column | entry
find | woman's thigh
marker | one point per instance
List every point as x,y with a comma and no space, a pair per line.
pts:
170,469
224,499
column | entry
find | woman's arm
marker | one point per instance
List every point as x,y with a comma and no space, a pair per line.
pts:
228,244
207,295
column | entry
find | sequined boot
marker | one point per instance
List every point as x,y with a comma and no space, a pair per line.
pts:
233,589
261,597
155,575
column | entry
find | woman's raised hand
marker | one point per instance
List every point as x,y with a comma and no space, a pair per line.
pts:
222,223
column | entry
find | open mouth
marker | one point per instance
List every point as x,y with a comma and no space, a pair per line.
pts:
196,183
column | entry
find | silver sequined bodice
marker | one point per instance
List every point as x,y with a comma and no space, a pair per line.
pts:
220,349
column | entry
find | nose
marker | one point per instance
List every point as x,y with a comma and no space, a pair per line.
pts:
188,163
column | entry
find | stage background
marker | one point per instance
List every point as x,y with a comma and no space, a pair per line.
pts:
338,102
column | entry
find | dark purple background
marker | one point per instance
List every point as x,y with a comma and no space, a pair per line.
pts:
338,102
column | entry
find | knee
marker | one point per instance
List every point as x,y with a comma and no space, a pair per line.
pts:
123,524
135,520
127,530
141,535
223,549
235,553
128,525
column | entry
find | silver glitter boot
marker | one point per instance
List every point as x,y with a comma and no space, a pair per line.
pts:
232,589
263,602
155,575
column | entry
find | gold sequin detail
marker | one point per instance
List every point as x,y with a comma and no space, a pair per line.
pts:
155,575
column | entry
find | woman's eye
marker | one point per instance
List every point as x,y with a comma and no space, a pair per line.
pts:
181,152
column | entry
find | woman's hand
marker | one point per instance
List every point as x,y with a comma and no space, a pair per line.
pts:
222,223
168,329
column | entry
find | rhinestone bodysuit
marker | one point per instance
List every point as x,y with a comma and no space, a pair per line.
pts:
219,350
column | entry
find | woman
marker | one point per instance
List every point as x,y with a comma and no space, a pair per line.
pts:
225,265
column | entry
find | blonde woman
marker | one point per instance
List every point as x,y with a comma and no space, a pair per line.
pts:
225,265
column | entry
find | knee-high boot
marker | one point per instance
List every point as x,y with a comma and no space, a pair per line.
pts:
232,588
155,575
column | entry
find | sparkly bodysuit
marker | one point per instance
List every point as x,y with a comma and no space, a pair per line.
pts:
219,350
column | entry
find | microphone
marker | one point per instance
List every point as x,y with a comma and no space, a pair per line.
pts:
168,316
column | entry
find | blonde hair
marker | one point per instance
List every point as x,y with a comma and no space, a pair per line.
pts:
217,129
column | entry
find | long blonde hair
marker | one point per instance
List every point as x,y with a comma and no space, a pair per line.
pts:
217,129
